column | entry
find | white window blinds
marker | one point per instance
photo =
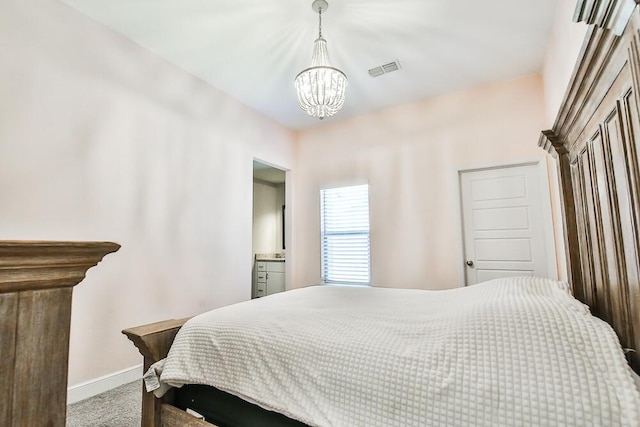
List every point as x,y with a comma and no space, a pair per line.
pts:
345,235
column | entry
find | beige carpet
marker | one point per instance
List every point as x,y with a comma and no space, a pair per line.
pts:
119,407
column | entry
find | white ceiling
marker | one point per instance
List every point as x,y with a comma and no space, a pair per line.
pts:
252,50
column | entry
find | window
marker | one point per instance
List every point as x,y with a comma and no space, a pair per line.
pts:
344,227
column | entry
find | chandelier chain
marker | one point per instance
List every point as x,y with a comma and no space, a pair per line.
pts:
320,23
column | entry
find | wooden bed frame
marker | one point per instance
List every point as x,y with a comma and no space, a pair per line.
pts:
594,140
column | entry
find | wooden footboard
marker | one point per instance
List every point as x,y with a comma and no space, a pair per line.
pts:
153,341
36,285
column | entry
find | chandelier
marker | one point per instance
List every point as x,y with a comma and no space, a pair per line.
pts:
321,88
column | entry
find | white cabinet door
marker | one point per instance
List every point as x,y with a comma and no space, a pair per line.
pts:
275,282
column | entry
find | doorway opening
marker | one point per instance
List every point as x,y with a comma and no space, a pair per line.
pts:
268,245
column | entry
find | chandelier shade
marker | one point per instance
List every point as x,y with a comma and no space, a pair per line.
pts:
321,88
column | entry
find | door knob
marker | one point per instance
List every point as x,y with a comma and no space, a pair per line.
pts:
470,263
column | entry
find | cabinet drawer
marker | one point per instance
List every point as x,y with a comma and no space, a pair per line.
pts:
261,266
261,276
261,289
275,266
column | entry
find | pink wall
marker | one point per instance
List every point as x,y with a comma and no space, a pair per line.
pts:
562,53
410,156
102,140
563,49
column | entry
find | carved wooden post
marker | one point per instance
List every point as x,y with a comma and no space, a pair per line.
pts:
153,341
36,283
550,143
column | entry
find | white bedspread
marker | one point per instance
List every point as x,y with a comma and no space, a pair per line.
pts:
510,352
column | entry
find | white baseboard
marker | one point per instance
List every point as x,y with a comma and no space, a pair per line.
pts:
90,388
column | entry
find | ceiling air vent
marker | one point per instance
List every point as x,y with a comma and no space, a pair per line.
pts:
384,69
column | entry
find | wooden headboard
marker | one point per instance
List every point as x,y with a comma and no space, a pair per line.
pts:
595,142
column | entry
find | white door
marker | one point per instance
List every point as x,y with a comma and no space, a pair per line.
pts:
503,217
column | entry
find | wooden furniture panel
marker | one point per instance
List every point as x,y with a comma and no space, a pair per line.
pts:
8,326
597,132
36,283
612,227
174,417
46,315
589,245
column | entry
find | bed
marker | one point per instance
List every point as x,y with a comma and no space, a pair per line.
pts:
361,356
594,142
